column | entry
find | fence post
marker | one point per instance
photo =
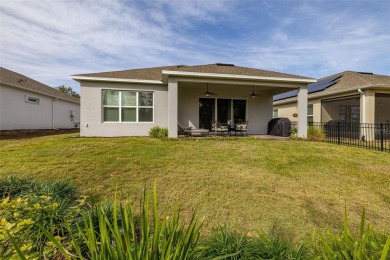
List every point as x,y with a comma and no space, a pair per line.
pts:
338,133
382,137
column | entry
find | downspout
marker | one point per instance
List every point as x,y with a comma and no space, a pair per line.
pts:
363,114
52,112
363,108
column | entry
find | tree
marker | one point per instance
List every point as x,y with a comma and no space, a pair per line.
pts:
69,91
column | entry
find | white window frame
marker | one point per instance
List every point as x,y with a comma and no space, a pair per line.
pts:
119,106
32,100
275,112
310,115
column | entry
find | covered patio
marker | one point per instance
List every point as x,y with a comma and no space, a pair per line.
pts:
196,100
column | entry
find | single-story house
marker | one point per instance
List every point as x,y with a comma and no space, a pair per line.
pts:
349,96
130,102
28,104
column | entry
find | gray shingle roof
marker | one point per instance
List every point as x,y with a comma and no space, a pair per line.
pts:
18,80
156,72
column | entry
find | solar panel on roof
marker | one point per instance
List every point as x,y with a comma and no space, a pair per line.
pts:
314,87
285,95
323,84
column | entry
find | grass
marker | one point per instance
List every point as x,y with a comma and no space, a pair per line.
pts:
244,184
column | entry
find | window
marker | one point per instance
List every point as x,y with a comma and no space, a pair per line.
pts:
29,99
275,113
310,113
349,114
127,106
226,111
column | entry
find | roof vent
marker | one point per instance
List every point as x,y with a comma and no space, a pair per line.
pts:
224,64
368,73
180,66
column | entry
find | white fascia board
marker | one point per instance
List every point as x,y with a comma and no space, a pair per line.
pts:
142,81
235,76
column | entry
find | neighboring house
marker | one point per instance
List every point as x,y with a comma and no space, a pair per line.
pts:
349,96
28,104
130,102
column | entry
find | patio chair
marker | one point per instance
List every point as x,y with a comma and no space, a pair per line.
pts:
190,131
241,128
218,128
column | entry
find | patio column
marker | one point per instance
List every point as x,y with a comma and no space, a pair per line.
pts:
172,107
367,114
302,112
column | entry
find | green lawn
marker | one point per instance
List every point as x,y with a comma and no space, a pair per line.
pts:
242,183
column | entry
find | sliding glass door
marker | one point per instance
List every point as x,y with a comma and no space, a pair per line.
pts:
226,111
206,112
239,108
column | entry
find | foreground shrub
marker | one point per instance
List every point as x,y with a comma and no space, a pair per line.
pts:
273,246
13,186
222,243
27,205
231,245
22,218
158,132
344,245
158,237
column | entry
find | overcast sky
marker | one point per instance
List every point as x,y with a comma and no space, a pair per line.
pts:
51,40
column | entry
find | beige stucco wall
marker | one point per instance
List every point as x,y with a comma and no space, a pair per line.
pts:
259,109
288,110
92,111
16,113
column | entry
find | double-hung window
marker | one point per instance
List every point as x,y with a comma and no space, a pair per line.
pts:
127,106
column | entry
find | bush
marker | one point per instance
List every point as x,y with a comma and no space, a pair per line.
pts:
232,246
22,218
13,186
315,133
367,245
27,205
312,133
158,132
222,243
293,131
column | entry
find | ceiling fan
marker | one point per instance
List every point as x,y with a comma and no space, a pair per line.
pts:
209,93
254,95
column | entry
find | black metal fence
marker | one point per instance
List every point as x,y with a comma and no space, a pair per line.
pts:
369,136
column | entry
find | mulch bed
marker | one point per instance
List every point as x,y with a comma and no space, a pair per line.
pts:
28,133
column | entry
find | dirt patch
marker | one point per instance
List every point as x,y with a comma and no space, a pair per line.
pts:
28,133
